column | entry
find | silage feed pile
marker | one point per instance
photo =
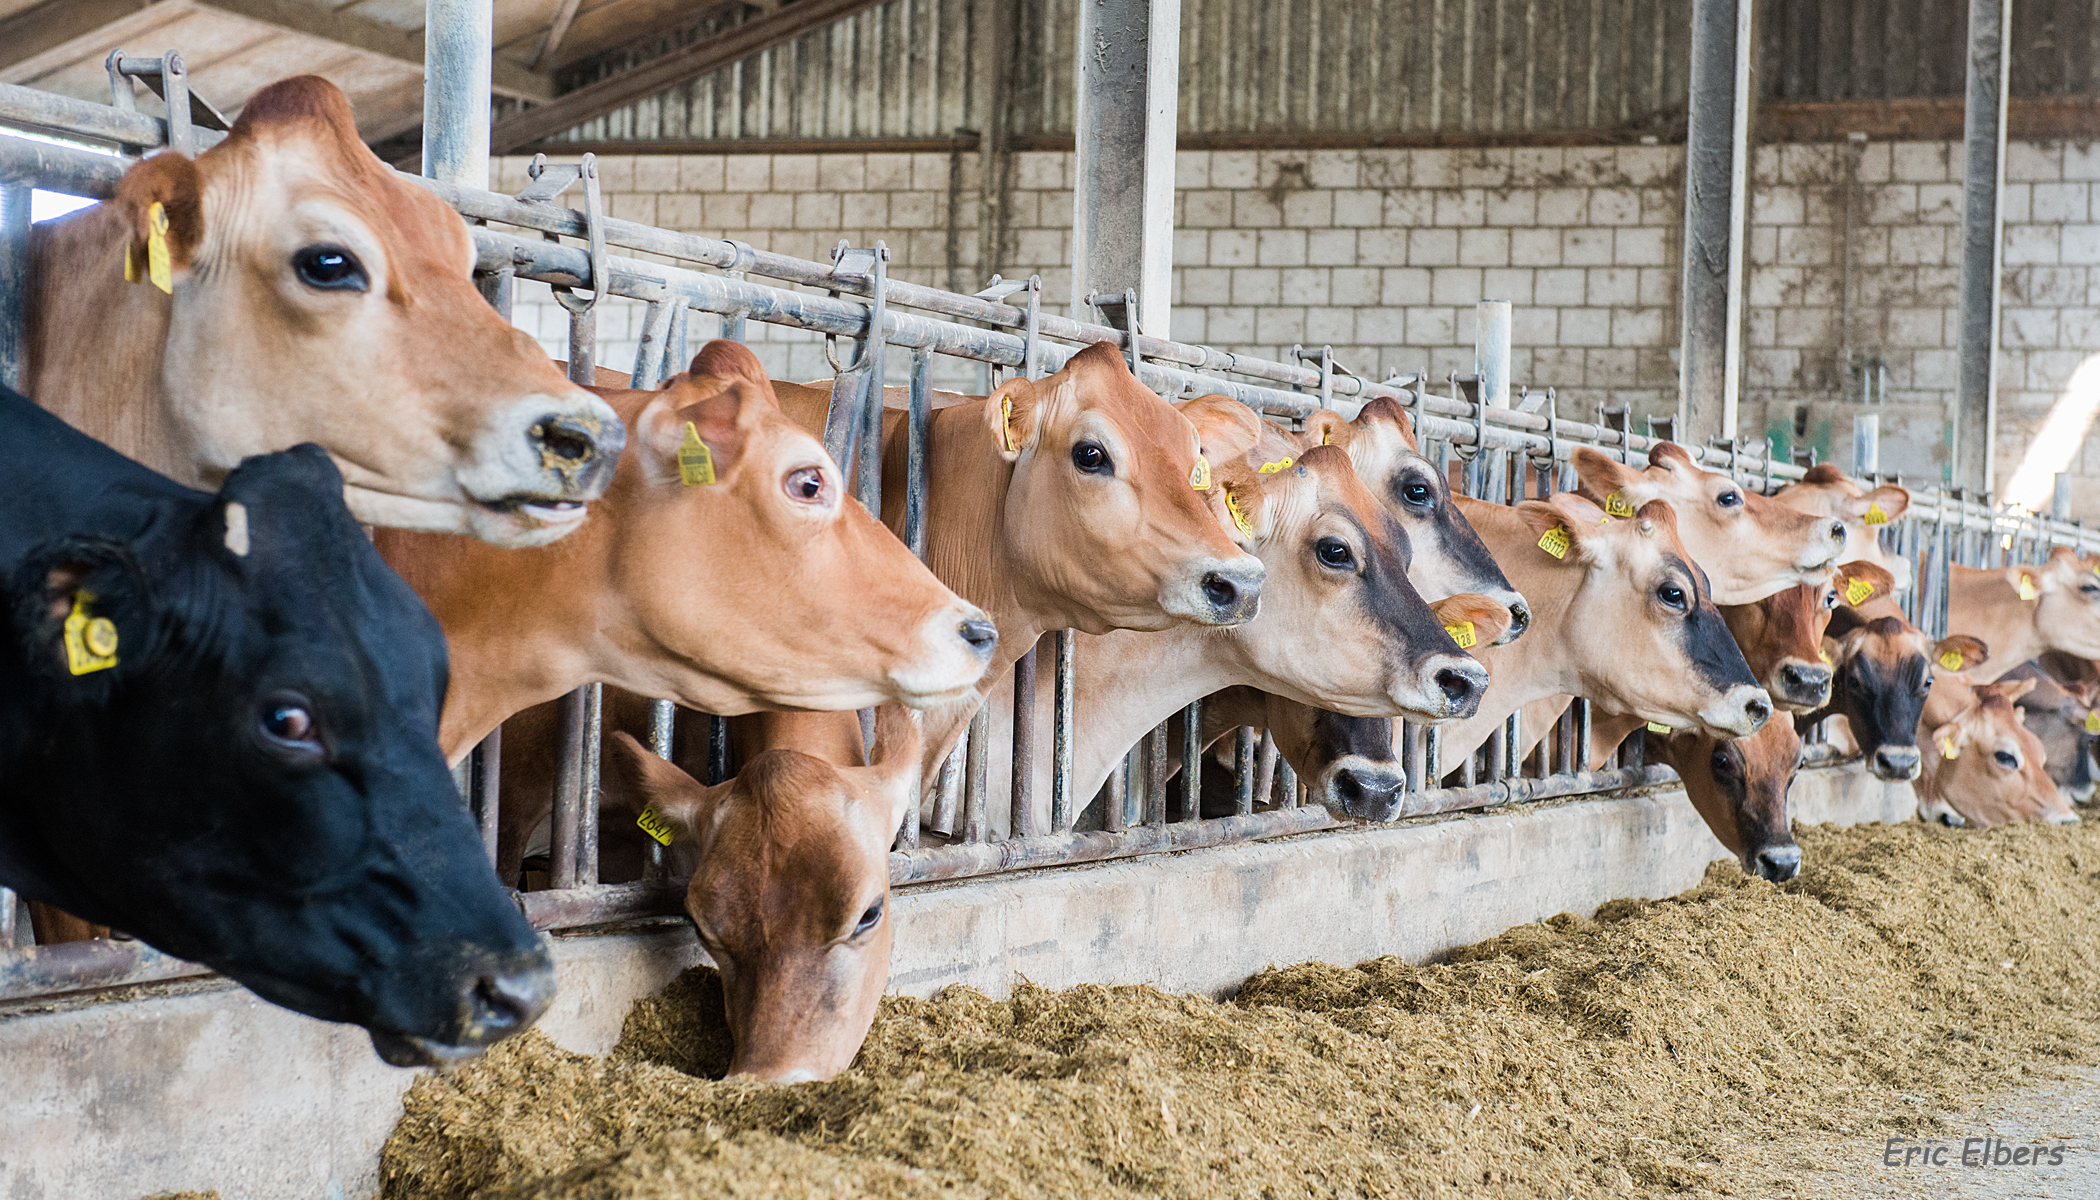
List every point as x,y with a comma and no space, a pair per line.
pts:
1909,970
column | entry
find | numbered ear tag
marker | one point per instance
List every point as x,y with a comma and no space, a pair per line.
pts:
2092,722
1876,515
696,464
1951,660
1006,424
652,823
1199,475
158,268
1825,656
1615,505
1239,518
1858,590
1665,730
1556,541
1273,467
1462,633
91,642
2027,589
1948,748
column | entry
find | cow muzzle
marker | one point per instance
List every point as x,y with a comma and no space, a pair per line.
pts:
1743,710
1776,863
537,463
956,643
1801,686
1217,591
491,1002
1894,763
1824,547
1448,688
1359,789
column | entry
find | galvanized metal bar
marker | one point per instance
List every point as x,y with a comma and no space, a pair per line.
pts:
1061,739
868,471
1022,822
663,730
918,444
652,356
1290,793
7,919
590,792
677,358
1192,762
14,283
1129,65
1243,770
1716,185
976,815
572,727
1491,351
947,797
488,790
459,56
1115,818
1156,776
1265,760
175,90
1983,228
37,971
59,168
717,750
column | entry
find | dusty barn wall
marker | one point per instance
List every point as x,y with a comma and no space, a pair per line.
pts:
1382,253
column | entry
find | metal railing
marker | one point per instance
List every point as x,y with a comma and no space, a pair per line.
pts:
1498,453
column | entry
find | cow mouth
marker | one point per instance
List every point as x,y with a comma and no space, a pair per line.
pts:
539,510
408,1050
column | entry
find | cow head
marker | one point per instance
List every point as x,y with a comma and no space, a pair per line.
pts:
802,600
1781,636
317,296
1347,764
1449,557
790,891
1749,545
1827,492
1100,511
1669,658
1341,627
1883,670
2065,593
1984,768
1740,789
237,763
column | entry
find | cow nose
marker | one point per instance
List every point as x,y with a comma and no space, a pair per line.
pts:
565,443
2064,816
1461,683
504,1002
1759,710
1367,796
981,634
1231,591
1778,863
1519,621
1895,762
1804,684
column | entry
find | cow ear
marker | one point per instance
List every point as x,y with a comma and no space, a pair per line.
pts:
1970,651
1859,582
729,360
1600,474
2030,581
893,761
1488,620
2013,690
1670,457
161,201
1948,739
1326,427
1382,411
1566,527
682,801
1014,414
698,437
81,611
1225,428
1880,506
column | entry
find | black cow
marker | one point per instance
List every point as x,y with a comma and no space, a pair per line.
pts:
218,732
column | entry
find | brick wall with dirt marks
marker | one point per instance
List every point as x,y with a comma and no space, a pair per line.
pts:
1851,289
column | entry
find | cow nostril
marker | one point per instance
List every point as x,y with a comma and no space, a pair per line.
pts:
1348,790
1457,686
505,1003
980,633
1778,863
1519,620
1758,709
561,442
1220,591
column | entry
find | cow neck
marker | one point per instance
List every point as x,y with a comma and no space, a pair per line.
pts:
1982,604
1129,681
1542,662
97,345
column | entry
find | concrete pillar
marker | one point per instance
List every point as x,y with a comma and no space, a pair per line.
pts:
1983,134
1716,174
1123,192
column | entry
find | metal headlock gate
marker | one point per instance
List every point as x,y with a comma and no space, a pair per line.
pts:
1516,449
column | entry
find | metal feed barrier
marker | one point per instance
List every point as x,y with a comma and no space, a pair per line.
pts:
1502,448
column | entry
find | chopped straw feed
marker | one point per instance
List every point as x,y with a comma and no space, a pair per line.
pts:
1906,972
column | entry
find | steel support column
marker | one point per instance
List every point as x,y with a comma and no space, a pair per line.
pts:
1716,177
459,55
15,201
1983,182
1123,191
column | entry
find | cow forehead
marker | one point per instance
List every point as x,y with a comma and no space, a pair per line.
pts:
303,178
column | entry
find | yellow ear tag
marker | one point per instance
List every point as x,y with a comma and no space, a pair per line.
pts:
1825,656
2092,722
1615,505
1556,541
1876,515
1462,633
1951,660
1858,590
158,268
1273,467
1006,424
91,642
1199,475
1665,730
1232,505
1947,747
696,464
1327,435
2027,589
131,264
652,823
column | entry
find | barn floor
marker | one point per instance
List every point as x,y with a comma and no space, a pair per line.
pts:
1738,1040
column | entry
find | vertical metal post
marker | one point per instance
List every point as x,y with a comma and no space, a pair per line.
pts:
651,358
589,792
1123,193
919,442
1716,185
459,55
1022,823
976,820
676,357
14,283
1116,818
488,789
175,89
571,723
868,467
1156,776
1244,768
1491,338
7,919
1287,783
1866,443
1983,183
1061,806
1192,762
948,791
663,725
1265,760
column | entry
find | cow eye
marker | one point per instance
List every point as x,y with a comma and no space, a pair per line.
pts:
1091,459
289,723
1723,762
1927,685
1671,595
869,919
1830,600
1729,499
806,485
1417,493
331,269
1334,552
2005,759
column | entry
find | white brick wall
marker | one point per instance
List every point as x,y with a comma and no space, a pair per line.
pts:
1384,253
